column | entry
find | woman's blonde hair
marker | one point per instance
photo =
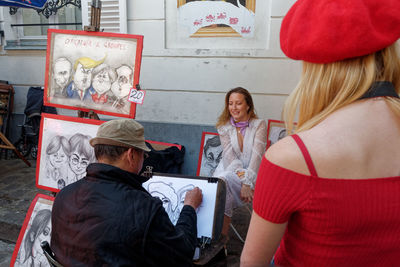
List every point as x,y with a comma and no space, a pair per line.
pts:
225,115
325,88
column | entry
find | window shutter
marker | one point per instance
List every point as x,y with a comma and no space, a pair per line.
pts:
113,15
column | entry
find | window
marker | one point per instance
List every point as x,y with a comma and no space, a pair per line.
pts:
69,17
219,30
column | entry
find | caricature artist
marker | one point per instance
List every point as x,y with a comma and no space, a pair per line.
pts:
108,218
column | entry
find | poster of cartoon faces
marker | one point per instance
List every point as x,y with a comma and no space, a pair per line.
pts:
35,230
276,131
92,71
172,191
64,150
210,154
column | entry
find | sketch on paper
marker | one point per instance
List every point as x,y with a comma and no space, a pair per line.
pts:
92,71
172,190
195,14
276,131
64,150
36,229
210,154
172,200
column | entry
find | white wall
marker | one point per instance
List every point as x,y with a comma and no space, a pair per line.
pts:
185,85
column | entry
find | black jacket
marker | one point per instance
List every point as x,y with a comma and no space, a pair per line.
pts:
109,219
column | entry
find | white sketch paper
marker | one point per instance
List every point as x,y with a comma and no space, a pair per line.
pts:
38,230
65,152
211,155
171,191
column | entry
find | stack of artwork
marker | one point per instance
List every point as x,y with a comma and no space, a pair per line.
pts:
86,71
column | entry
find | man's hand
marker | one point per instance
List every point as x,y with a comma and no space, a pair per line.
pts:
193,198
246,193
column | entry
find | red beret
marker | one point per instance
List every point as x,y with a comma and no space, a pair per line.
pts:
324,31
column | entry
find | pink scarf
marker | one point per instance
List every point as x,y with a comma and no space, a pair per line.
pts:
242,125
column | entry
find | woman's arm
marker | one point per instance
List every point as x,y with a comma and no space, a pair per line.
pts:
258,149
263,238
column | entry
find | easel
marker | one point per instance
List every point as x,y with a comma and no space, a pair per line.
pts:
6,109
95,14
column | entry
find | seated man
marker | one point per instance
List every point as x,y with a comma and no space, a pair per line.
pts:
108,218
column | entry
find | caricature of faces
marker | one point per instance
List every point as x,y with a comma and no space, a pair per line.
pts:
62,72
103,76
213,157
122,86
81,154
82,77
78,163
59,158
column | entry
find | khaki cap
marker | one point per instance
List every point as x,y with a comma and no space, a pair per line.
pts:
121,132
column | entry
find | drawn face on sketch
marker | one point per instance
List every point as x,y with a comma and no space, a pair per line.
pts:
122,86
62,72
59,158
181,196
103,76
213,157
82,77
238,107
42,236
78,163
167,195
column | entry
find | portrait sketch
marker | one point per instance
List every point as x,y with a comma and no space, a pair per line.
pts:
276,131
64,150
172,190
92,71
210,154
36,229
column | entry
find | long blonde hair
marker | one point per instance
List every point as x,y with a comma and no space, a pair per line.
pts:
325,88
225,115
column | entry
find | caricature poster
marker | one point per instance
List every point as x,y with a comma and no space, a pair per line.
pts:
35,229
64,150
210,154
92,71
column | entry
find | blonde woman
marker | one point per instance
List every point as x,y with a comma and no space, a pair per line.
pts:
329,195
243,138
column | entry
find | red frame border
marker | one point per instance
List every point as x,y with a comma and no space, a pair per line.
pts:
138,60
57,117
203,136
25,225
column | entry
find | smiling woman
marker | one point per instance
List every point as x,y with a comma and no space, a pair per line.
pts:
243,138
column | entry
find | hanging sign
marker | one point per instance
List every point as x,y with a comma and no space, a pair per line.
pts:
137,96
37,4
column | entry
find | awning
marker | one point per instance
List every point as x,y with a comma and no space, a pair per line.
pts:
37,4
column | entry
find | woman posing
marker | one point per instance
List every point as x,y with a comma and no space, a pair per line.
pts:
329,195
243,138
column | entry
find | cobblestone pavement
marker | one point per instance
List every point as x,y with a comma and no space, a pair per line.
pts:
18,188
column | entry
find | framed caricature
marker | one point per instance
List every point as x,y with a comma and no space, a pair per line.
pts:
92,71
64,151
276,130
36,228
210,154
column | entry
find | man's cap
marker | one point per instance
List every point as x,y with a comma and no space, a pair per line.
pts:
121,132
324,31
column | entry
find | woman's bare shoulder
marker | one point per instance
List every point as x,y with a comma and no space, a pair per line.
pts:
285,153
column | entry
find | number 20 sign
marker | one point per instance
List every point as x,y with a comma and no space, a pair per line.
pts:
137,96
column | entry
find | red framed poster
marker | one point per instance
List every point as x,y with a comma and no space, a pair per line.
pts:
64,151
36,228
276,130
92,71
210,154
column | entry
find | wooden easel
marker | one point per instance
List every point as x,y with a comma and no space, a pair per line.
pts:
95,14
7,93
